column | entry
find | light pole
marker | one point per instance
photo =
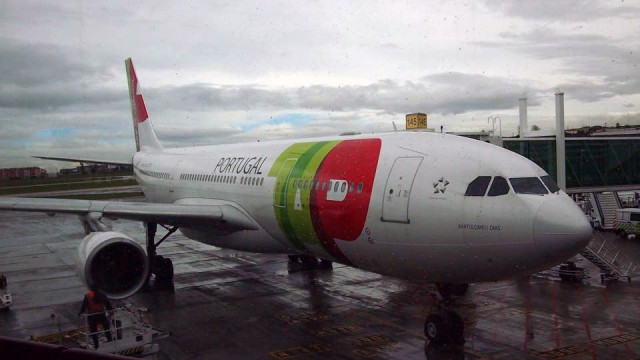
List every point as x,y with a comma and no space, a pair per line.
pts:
493,119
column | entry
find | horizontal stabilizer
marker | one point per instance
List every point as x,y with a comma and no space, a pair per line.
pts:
86,161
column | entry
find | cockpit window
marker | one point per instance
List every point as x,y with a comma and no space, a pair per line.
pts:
478,187
528,185
551,185
499,186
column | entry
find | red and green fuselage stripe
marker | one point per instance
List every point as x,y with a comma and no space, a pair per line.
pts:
303,210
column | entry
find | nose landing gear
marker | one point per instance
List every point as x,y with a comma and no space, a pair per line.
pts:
443,324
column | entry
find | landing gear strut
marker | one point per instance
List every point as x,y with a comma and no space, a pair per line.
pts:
444,325
159,265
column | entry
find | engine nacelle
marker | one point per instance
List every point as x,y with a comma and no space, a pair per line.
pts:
113,262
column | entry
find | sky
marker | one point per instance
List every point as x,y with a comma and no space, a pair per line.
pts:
215,72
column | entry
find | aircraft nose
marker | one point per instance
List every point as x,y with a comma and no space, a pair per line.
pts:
560,228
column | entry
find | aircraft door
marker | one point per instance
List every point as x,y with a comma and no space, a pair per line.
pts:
397,192
282,183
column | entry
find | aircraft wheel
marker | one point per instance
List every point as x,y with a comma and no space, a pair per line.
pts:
326,264
563,272
456,327
435,329
168,269
163,268
309,261
459,289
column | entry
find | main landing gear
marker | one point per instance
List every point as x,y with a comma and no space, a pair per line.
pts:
160,266
308,262
443,324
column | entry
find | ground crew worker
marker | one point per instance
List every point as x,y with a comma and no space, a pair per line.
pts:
94,305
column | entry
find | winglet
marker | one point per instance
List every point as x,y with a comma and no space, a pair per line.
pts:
143,130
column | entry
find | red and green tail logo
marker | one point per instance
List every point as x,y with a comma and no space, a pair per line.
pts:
323,190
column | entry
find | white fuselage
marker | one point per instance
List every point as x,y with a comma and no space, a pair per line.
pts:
394,203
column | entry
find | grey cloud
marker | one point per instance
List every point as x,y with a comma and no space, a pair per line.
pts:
34,64
39,76
610,68
562,10
206,97
52,97
172,136
628,105
446,93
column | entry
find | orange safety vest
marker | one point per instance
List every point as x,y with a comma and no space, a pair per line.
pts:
94,307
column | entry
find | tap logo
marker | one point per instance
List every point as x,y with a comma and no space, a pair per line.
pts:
440,186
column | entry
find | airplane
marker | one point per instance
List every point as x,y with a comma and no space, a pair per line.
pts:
420,206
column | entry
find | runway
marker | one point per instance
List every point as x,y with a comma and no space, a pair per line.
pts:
230,305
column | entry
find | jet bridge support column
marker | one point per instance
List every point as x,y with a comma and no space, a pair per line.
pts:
560,146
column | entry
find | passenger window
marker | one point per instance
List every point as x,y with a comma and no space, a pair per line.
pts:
528,185
360,186
324,185
306,184
335,186
343,187
351,187
551,185
261,181
478,187
499,186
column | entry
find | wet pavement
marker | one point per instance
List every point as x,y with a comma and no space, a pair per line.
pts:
231,305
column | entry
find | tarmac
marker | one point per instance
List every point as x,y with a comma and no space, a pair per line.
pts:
226,304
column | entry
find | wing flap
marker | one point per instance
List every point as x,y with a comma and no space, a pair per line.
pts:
225,216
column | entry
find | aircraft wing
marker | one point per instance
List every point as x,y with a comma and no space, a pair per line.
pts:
222,216
87,161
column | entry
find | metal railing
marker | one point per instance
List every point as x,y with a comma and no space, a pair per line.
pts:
610,255
125,326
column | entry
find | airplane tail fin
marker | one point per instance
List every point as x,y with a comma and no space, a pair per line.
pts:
146,139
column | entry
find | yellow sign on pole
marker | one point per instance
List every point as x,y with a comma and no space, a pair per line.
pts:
416,121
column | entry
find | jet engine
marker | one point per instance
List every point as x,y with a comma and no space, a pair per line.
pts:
112,262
